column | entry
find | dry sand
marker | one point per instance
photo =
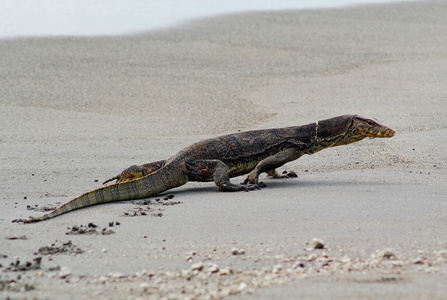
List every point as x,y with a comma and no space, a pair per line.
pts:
75,111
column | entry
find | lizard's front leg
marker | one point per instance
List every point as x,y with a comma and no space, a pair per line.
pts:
135,172
271,163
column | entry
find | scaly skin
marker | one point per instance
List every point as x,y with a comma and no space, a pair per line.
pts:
218,159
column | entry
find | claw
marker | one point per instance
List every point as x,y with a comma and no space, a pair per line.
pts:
256,186
117,178
251,187
129,174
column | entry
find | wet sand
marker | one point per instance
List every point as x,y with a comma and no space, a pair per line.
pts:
76,111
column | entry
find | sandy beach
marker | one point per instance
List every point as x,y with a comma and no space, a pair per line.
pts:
77,111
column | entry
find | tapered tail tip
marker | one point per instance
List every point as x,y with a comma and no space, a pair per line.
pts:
27,221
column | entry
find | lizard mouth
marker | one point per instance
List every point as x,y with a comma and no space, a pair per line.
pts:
381,133
387,133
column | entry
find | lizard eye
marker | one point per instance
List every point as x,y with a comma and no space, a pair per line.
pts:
370,123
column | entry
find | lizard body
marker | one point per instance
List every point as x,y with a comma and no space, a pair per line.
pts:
218,159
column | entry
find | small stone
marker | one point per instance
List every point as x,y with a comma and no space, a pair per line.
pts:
345,259
277,268
418,261
187,273
116,275
102,279
317,243
299,264
387,255
141,273
225,272
64,273
397,263
242,286
144,285
212,268
237,251
158,281
197,266
312,257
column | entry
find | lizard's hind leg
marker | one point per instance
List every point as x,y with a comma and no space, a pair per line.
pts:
135,172
217,171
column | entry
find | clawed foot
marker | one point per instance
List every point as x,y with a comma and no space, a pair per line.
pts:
252,187
253,180
229,187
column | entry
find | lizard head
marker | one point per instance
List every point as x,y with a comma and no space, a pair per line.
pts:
362,127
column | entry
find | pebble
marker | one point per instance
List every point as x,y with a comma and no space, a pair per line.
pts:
191,253
242,286
387,255
237,251
397,263
317,243
64,273
158,281
144,285
102,279
312,257
345,259
197,266
116,275
418,261
225,272
299,264
212,268
187,273
277,268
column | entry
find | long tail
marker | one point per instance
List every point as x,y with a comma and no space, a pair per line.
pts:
170,176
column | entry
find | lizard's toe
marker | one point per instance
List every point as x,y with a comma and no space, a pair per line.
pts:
256,186
117,178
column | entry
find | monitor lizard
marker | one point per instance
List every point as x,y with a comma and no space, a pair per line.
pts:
220,158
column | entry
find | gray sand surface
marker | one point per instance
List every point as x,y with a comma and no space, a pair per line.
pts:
76,111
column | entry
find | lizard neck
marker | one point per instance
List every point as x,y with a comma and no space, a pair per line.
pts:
322,140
